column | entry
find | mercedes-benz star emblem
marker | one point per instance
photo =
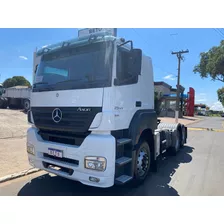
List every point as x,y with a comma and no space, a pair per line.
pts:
56,115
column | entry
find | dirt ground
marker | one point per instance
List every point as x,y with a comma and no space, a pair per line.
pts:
13,127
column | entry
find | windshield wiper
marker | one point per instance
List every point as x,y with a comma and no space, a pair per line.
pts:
34,85
69,80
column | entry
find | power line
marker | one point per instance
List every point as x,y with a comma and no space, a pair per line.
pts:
146,41
140,36
220,30
217,31
173,35
171,73
150,46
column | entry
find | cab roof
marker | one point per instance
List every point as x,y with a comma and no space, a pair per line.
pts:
79,41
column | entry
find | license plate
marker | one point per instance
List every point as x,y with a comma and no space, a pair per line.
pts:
55,152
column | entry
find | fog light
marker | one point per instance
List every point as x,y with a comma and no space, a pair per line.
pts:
31,161
30,149
95,163
94,179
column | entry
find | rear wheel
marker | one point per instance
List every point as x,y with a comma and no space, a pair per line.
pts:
26,105
174,149
11,106
183,137
2,102
5,103
142,162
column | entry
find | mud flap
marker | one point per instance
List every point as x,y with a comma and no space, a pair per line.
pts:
185,139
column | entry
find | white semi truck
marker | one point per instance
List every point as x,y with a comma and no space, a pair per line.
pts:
92,112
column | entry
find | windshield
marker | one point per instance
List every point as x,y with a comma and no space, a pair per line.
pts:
75,68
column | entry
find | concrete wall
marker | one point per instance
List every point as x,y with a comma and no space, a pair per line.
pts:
162,89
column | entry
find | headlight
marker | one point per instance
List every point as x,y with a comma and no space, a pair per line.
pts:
30,149
95,163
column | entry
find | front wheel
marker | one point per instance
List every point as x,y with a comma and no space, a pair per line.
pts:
142,162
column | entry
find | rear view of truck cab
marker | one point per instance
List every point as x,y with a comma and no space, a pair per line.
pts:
92,111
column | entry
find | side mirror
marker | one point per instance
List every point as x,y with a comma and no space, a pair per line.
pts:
135,62
3,91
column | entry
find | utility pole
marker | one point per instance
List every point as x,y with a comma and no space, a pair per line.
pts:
179,57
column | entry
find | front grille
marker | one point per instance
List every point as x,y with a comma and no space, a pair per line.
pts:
68,138
73,119
67,160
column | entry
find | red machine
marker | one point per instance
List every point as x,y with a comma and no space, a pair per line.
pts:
190,102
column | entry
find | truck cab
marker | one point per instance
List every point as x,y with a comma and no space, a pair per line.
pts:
1,89
3,100
92,111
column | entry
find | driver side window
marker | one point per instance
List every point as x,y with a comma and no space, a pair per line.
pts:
123,71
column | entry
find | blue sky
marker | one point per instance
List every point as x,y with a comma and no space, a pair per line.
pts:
17,47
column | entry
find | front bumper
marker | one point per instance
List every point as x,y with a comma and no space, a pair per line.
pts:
72,164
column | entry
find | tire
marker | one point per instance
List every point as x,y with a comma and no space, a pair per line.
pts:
26,105
5,103
2,102
142,163
174,149
183,137
11,106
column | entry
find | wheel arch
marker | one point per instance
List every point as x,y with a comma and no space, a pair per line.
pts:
142,126
142,121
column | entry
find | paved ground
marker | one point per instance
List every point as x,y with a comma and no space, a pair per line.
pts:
196,170
210,122
185,120
13,127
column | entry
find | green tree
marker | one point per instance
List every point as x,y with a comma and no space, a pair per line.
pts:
220,93
16,81
212,65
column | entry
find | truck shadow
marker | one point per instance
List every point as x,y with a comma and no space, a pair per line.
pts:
157,184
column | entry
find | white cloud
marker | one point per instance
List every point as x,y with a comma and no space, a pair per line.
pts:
44,46
201,97
23,57
170,77
201,100
217,106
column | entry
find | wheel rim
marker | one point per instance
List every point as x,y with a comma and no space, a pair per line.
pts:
142,162
27,105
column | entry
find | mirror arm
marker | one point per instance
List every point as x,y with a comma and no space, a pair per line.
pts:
129,41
